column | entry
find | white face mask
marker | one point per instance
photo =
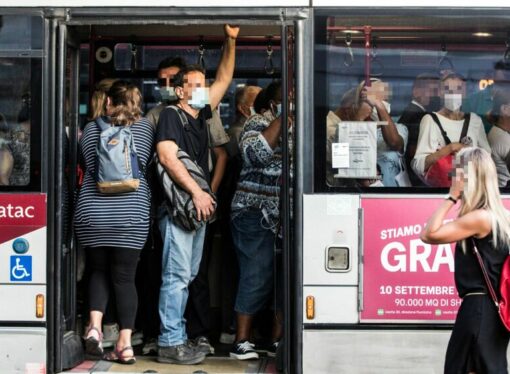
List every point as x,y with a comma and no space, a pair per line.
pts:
252,111
377,183
199,98
167,93
453,102
375,116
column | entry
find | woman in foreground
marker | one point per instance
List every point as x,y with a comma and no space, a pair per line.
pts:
479,340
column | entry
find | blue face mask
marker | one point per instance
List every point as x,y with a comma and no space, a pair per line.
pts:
167,93
278,110
199,98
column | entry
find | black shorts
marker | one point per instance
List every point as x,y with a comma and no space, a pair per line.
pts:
479,340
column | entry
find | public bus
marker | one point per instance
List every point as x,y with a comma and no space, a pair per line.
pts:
362,293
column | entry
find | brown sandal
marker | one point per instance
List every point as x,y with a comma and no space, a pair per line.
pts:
119,357
94,346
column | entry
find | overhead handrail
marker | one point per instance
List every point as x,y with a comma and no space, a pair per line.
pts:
506,55
349,56
201,52
377,66
445,64
134,59
268,64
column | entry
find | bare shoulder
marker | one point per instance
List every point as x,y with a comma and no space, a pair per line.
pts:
481,220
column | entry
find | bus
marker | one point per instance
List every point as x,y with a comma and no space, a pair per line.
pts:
361,292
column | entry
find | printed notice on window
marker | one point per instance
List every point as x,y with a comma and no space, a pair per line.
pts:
355,153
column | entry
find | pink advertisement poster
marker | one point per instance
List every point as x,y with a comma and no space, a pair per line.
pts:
404,279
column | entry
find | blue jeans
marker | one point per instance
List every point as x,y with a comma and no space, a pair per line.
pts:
255,252
182,252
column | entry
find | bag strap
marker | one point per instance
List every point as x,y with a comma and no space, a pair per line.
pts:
485,275
103,126
465,126
185,124
436,120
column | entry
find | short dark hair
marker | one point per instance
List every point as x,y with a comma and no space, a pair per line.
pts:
260,101
266,95
179,77
171,62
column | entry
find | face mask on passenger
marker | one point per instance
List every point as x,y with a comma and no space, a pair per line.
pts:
375,116
199,98
453,102
252,111
276,109
167,93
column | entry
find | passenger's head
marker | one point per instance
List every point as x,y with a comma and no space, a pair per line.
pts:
426,89
351,108
244,98
190,86
124,103
24,113
476,169
269,99
501,105
167,69
452,90
502,73
98,100
378,90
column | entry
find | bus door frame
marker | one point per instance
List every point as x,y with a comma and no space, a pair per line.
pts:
299,19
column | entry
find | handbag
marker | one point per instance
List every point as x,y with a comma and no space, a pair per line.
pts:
502,305
438,175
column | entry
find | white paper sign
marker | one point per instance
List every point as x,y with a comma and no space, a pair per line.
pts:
361,141
340,156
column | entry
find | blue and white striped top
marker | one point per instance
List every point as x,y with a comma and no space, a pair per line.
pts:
116,220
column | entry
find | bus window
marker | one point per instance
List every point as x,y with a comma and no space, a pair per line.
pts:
381,80
20,98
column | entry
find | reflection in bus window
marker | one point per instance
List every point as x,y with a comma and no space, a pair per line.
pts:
499,135
412,57
6,160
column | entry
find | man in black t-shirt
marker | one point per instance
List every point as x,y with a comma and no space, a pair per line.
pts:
182,250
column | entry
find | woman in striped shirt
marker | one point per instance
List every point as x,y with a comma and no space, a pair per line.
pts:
113,228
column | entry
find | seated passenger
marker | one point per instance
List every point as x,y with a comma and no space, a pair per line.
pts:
499,135
391,137
432,145
6,159
20,150
425,100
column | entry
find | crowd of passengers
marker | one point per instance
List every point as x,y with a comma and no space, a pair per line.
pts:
441,119
243,170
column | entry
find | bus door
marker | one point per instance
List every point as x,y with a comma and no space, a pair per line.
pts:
69,350
23,197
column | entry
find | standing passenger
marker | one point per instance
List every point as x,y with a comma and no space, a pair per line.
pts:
499,135
182,250
113,228
479,340
256,216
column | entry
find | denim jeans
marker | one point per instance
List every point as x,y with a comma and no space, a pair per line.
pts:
255,252
182,252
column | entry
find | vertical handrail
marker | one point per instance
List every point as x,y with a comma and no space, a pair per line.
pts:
367,30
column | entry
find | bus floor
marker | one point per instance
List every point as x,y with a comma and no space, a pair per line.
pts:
211,365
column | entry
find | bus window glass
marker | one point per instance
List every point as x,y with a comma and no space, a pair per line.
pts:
19,32
379,81
20,102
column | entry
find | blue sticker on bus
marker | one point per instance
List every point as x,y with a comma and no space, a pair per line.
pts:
21,268
20,246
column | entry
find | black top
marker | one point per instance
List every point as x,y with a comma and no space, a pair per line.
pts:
411,118
468,274
192,139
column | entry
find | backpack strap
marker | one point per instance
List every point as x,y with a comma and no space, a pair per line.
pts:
485,275
436,120
102,124
465,126
185,124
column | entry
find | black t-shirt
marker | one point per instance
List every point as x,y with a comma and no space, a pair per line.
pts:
468,274
192,139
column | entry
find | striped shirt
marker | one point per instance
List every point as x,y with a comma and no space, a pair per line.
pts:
115,220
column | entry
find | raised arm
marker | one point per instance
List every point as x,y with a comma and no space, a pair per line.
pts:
225,70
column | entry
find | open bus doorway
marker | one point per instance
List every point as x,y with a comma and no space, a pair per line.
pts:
133,53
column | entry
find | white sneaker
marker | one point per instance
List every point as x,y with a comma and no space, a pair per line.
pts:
110,334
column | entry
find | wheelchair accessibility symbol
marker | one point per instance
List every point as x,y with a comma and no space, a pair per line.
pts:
21,268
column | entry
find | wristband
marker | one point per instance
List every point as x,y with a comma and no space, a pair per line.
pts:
451,198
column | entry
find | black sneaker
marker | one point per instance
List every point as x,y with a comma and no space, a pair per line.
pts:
244,350
271,352
180,354
202,345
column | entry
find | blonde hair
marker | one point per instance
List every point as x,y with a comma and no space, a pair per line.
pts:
481,191
98,99
126,102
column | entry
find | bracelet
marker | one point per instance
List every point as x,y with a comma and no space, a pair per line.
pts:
451,198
